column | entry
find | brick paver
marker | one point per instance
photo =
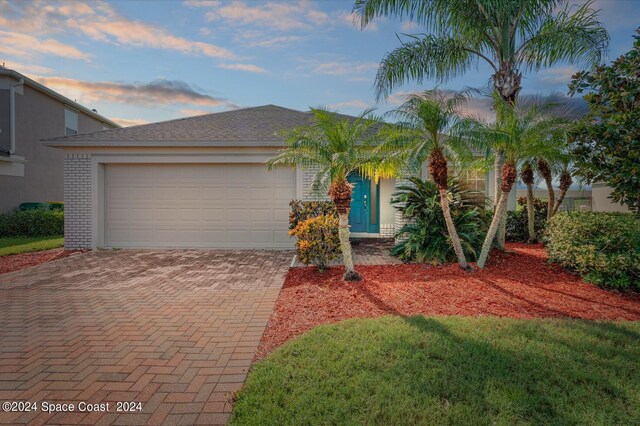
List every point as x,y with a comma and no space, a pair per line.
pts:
174,330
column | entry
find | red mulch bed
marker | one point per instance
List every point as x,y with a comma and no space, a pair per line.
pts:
519,284
15,262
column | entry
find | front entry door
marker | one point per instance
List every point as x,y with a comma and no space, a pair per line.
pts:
360,199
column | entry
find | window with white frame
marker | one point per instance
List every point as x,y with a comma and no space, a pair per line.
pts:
70,123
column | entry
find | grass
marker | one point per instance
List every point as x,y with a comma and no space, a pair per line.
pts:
449,370
16,245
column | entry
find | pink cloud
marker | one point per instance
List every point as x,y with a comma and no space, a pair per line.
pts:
26,45
127,122
243,67
153,93
99,21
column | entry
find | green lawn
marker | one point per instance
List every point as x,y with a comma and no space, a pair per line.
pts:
449,370
15,245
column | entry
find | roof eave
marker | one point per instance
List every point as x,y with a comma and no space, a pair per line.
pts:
51,93
162,144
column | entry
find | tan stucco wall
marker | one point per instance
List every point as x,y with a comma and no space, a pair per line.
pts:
38,117
387,212
600,201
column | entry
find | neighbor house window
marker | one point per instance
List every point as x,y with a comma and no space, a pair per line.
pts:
70,123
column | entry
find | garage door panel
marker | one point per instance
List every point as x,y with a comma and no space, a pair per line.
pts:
183,205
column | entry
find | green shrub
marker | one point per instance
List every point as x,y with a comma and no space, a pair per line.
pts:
602,247
32,223
318,241
518,222
303,210
425,237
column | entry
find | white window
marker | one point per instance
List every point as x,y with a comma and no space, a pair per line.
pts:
70,123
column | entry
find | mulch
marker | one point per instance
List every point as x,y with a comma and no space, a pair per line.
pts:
16,262
519,284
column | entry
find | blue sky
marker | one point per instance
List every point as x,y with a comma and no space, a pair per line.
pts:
145,61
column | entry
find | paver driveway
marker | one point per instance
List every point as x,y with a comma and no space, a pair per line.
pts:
175,330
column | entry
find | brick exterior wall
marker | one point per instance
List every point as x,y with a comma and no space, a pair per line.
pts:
77,201
307,191
399,220
387,230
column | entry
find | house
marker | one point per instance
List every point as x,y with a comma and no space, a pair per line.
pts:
576,199
200,182
30,112
602,203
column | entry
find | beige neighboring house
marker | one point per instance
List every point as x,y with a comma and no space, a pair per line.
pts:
600,193
574,200
29,112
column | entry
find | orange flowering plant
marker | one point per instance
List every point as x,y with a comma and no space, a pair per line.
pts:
318,242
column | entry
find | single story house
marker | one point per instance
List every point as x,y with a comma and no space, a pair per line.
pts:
30,112
201,182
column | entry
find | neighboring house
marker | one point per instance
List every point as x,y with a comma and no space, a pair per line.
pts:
574,200
30,112
600,194
200,182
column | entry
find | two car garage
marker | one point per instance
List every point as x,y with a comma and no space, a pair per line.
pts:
197,205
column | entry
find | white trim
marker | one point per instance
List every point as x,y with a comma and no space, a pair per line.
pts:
12,166
13,159
364,235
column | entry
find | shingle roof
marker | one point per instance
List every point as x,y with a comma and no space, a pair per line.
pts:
256,126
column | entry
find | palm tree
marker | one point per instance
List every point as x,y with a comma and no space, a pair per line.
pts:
336,146
565,184
420,136
521,130
555,158
510,36
528,179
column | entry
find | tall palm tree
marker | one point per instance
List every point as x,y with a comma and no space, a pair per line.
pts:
336,146
520,131
511,36
420,136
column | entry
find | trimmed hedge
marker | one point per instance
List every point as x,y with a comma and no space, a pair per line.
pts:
602,247
32,223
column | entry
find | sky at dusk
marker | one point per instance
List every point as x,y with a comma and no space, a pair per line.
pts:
146,61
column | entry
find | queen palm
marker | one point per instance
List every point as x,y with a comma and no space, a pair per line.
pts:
511,36
520,131
335,146
555,159
419,136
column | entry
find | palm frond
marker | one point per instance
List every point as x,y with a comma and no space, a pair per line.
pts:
572,35
424,57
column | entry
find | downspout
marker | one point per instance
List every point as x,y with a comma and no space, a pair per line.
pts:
12,112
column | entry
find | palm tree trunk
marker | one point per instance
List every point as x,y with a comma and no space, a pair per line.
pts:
502,227
531,214
493,229
453,234
565,184
559,201
497,179
552,195
350,273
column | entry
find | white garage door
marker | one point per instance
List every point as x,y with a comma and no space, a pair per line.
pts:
197,205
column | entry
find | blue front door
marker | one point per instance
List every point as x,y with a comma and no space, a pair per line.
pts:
360,198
